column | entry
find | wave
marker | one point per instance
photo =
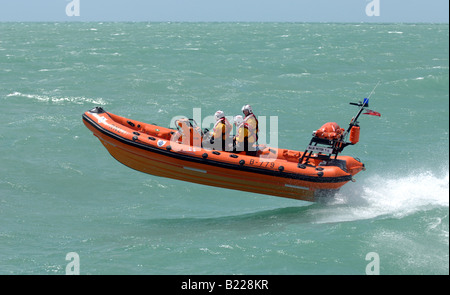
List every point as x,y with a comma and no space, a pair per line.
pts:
387,196
59,100
379,196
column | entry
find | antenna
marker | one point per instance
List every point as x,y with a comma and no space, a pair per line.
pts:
374,89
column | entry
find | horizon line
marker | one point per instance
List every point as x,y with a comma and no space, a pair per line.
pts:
200,21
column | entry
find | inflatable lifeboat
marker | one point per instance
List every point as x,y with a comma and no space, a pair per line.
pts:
303,175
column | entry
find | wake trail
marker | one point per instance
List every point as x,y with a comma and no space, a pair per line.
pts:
387,196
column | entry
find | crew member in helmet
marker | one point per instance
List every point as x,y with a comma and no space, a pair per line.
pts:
244,139
251,121
221,131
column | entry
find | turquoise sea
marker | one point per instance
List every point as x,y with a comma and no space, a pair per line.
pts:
61,192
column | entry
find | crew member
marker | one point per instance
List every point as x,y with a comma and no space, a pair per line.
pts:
251,121
221,131
244,139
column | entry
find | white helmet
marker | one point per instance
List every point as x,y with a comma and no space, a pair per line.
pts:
248,108
218,115
238,120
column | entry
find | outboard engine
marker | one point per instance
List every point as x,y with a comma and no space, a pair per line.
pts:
330,139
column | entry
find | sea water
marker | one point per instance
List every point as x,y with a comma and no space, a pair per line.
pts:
61,192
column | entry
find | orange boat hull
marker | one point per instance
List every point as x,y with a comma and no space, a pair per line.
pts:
148,148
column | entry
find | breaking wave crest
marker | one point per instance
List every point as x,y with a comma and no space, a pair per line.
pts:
59,100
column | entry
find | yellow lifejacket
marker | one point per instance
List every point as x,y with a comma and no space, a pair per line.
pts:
222,128
252,122
244,132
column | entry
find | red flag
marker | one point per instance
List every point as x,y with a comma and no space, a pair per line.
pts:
372,113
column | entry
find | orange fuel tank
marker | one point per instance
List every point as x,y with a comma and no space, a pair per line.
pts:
354,134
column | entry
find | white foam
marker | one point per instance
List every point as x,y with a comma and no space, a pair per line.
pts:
387,196
59,100
404,195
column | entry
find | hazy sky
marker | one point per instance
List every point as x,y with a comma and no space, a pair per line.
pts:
436,11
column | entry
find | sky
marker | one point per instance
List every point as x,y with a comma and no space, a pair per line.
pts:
409,11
